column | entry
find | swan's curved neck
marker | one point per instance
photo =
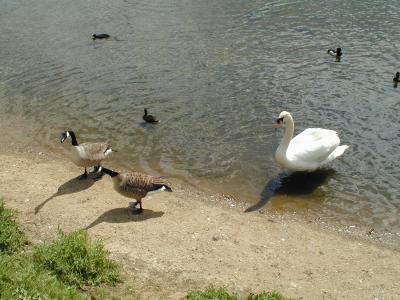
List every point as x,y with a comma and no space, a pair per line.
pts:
288,134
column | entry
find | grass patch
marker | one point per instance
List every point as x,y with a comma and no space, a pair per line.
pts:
267,296
222,294
54,271
11,237
21,279
77,261
211,294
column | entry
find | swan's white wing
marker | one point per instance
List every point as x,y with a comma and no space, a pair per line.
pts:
312,146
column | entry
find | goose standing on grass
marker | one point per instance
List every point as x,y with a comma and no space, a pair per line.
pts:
309,150
100,36
337,53
87,154
136,185
149,118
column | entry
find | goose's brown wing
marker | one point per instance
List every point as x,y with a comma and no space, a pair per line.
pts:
138,182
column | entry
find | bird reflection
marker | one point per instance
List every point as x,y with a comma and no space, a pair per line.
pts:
292,184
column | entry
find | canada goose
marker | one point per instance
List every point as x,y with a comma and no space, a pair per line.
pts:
86,154
396,78
136,185
100,36
149,118
337,53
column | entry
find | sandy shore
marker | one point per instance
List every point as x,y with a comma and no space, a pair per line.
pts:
185,240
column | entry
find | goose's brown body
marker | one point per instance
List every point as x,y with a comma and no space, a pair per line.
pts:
89,154
136,185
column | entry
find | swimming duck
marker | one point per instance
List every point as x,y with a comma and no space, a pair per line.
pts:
396,78
136,185
100,36
149,118
337,53
309,150
87,154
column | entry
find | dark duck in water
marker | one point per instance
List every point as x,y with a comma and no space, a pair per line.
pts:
396,78
337,53
149,118
100,36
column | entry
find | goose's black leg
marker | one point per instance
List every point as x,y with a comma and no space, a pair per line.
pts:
84,175
140,209
98,172
136,210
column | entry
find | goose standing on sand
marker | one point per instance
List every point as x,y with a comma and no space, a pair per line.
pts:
100,36
309,150
87,154
337,53
149,118
136,185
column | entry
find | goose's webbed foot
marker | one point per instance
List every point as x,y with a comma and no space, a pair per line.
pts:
136,210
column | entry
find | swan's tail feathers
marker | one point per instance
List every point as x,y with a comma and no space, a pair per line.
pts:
340,150
336,153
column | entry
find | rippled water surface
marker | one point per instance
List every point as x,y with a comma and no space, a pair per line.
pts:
217,73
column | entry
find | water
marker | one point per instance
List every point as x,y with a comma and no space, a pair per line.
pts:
217,73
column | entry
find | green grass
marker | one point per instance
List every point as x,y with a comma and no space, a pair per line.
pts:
222,294
11,237
211,294
77,261
54,271
267,296
19,276
21,279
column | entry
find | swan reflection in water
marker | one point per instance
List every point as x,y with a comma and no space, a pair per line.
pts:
292,184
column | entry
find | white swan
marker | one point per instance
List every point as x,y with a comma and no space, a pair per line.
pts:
309,150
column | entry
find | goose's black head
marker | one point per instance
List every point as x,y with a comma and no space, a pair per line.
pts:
397,77
64,136
339,52
94,36
67,134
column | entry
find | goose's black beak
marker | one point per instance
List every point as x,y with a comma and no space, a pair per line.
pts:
63,138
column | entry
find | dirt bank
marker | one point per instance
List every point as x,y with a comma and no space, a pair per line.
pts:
185,240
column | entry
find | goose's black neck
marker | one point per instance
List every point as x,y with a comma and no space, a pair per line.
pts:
73,138
145,111
109,172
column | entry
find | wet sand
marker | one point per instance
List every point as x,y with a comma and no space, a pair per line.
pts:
188,239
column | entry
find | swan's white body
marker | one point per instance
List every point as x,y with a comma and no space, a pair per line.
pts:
309,150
